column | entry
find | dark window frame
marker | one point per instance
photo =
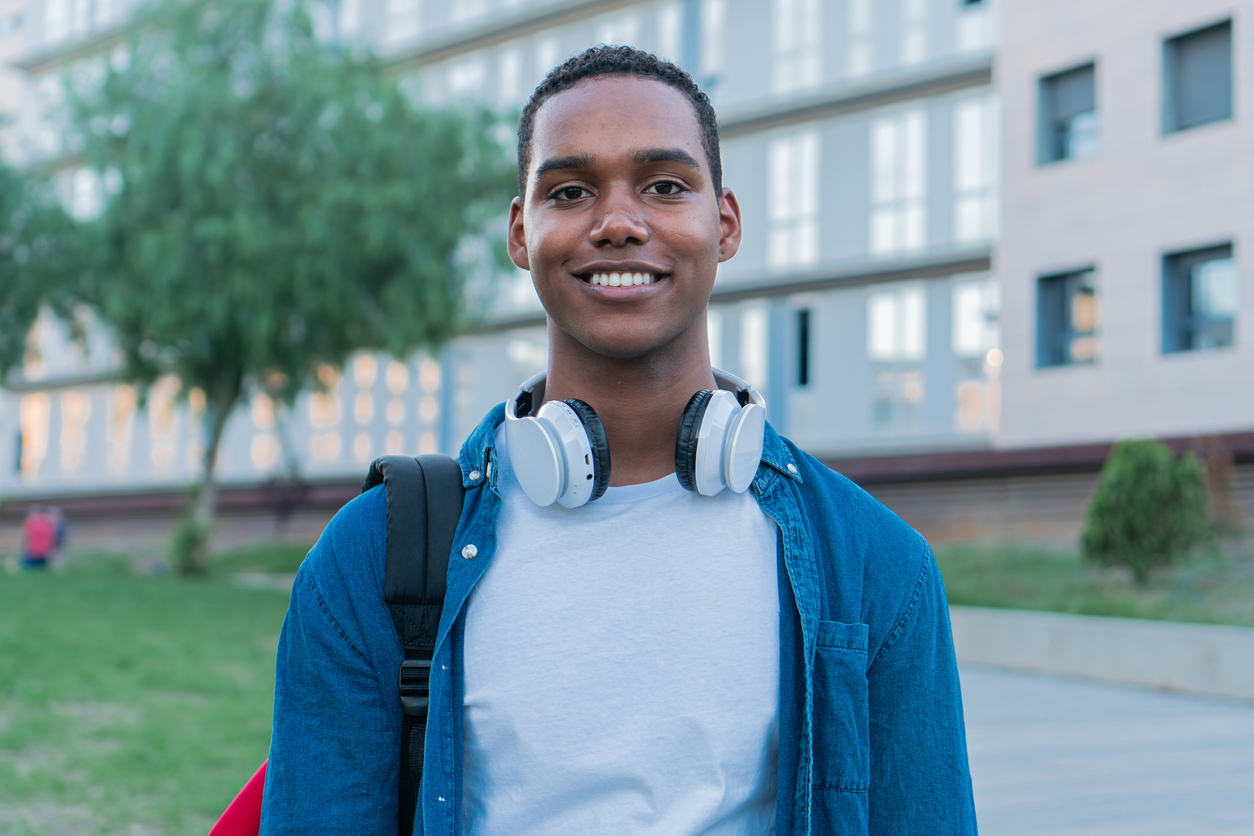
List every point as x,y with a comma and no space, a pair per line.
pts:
1176,64
1053,132
1055,327
805,348
1182,326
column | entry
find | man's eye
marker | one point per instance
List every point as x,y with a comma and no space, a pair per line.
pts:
666,188
568,193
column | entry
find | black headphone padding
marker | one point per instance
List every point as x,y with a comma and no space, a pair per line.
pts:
686,439
597,441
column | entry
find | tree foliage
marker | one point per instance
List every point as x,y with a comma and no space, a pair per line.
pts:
34,235
274,203
1150,508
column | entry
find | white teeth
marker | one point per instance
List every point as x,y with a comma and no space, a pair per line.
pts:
621,279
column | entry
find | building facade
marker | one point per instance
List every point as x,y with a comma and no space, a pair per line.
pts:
1129,209
907,211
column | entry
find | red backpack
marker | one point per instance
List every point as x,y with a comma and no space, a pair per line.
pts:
424,504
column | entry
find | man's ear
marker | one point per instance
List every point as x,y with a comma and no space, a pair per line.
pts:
516,237
729,221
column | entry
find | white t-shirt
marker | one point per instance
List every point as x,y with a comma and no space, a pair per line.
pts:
622,667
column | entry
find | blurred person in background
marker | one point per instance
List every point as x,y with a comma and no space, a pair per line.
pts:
39,539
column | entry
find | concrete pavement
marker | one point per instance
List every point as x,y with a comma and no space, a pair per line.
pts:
1062,757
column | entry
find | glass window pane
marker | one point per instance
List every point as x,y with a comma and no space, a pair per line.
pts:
1201,299
1204,76
1069,126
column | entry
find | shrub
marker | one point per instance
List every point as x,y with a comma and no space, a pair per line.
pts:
1150,508
189,544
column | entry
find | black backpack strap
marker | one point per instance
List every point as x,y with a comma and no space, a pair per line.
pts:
424,504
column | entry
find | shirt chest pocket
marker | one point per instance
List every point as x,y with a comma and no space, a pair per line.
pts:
842,745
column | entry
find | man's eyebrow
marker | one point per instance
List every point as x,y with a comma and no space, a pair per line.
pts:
567,163
645,156
666,155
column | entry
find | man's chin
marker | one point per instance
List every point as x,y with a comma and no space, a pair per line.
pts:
626,347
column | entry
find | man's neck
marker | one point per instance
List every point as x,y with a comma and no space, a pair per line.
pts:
639,400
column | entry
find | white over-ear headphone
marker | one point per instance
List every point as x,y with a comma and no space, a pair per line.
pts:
560,454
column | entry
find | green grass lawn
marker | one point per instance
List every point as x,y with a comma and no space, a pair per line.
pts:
133,704
1215,587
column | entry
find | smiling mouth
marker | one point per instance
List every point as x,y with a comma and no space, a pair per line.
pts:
621,279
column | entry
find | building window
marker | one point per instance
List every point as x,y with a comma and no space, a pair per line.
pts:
714,333
795,36
976,338
896,325
859,25
974,26
403,21
509,76
976,169
976,327
913,31
1197,78
623,30
548,56
1069,126
349,18
793,201
464,10
467,78
898,182
1201,297
803,347
896,346
755,334
670,33
713,19
1066,329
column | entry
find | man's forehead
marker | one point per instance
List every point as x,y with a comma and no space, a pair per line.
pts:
615,112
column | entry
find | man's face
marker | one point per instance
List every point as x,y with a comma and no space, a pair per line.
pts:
620,186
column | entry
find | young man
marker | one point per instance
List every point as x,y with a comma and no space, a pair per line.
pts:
656,660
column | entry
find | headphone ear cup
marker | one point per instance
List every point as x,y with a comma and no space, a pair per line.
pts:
598,442
686,439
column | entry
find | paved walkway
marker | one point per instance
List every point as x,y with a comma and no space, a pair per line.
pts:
1064,757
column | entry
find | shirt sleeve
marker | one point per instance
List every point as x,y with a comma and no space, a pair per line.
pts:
335,745
920,780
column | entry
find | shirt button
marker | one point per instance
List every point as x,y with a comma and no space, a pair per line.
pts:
474,475
470,551
792,468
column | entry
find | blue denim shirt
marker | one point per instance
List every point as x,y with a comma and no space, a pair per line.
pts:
871,729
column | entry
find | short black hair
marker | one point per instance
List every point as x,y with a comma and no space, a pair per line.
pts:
619,60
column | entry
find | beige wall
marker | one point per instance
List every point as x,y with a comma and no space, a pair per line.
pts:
1145,194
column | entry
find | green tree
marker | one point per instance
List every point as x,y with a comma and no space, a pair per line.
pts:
1150,508
274,202
34,236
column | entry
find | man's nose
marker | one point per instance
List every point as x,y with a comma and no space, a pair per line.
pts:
618,226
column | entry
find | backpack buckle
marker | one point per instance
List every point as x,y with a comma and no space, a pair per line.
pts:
415,686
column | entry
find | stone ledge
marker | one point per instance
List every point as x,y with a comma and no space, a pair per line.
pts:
1204,659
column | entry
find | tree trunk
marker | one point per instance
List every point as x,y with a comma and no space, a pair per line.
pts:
194,550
